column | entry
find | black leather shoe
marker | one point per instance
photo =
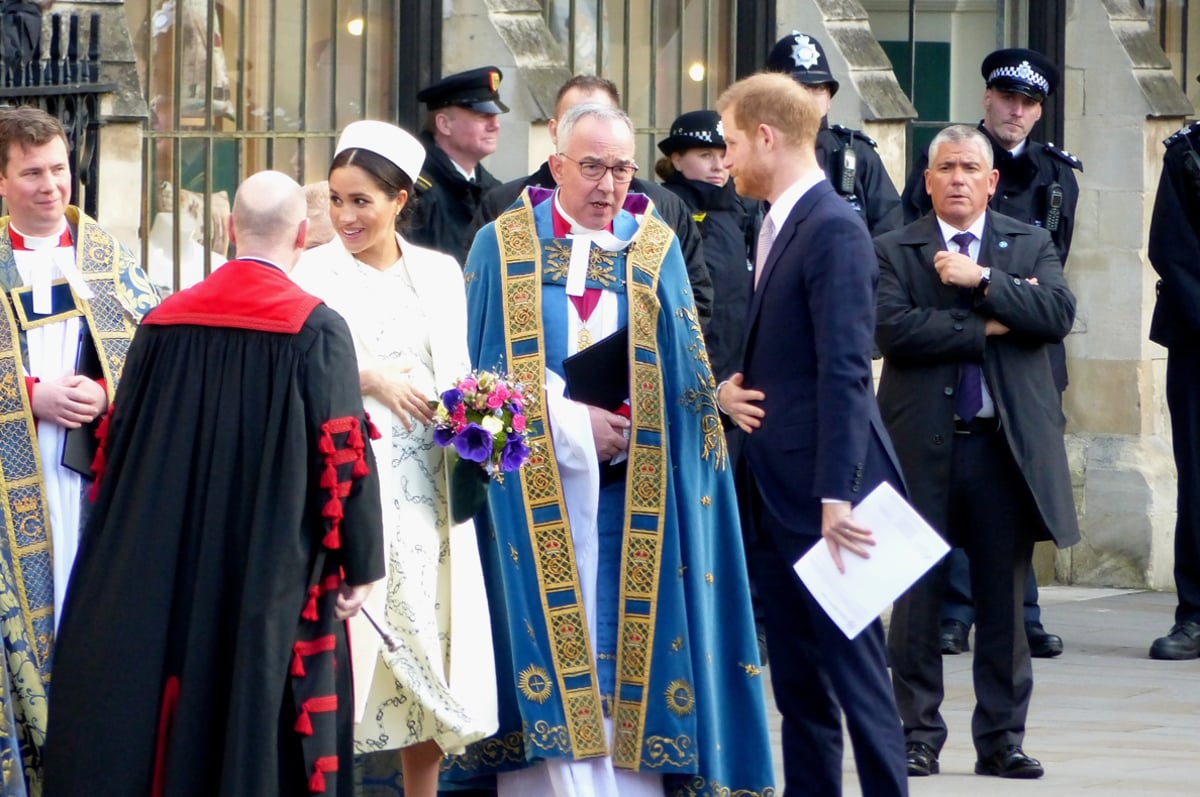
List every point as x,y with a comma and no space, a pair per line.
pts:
1011,762
1182,643
1042,644
922,759
954,637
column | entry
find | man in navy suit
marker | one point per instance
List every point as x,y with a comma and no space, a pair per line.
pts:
815,442
970,303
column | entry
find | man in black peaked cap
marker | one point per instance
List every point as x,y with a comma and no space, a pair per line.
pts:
461,129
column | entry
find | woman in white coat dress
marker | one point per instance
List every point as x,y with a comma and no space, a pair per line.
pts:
432,692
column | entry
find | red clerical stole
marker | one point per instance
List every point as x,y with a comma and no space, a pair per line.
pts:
585,304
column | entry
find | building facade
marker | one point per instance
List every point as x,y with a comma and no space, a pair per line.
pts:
212,90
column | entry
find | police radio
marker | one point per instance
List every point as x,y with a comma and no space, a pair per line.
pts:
847,171
1054,200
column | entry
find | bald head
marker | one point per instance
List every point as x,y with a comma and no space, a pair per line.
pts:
270,218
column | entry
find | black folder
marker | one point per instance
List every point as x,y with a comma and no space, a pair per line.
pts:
599,374
81,444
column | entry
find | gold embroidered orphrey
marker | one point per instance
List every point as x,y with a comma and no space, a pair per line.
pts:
641,556
122,297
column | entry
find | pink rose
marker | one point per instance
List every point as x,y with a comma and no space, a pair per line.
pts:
459,416
501,391
468,384
518,424
495,401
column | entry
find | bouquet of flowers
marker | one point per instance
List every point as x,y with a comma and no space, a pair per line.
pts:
483,417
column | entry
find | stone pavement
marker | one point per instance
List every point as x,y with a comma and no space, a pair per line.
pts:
1106,721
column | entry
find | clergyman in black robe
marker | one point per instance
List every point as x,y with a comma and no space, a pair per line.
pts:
201,650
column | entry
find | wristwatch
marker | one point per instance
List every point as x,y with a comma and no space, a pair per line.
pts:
985,278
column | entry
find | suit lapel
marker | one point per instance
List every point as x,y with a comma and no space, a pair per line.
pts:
783,239
996,249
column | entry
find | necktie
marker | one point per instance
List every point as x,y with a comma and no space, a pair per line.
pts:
766,237
970,389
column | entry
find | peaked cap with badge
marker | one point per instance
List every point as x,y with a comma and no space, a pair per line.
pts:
694,130
1021,70
802,57
477,89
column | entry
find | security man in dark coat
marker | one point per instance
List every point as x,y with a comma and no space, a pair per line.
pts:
590,88
1037,181
847,156
1174,250
1037,186
968,302
461,129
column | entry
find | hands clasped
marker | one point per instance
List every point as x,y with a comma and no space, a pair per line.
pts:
69,401
610,432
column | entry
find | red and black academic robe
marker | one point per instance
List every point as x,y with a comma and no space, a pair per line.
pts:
198,653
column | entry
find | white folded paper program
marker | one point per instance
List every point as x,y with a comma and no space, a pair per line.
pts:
905,548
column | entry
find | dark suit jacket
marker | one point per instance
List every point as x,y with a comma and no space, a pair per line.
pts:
674,212
925,334
808,348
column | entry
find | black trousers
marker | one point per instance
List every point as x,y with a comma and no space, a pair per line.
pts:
1183,401
992,510
817,674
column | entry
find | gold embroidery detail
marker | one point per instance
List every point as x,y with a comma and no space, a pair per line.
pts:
569,635
751,669
702,398
677,644
489,753
521,268
534,683
708,577
680,699
706,501
513,553
601,265
557,256
699,786
662,751
545,736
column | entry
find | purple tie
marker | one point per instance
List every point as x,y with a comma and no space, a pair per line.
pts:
970,388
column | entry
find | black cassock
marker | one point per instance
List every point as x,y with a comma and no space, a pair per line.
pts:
198,653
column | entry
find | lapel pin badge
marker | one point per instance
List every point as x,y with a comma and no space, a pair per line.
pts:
1003,244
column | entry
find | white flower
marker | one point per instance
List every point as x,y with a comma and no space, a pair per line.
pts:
492,424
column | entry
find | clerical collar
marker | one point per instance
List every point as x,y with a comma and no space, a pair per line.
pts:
22,242
564,224
1019,148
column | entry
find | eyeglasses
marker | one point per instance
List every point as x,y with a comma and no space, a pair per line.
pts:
594,170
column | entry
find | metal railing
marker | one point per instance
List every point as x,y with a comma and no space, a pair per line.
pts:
665,56
236,86
64,82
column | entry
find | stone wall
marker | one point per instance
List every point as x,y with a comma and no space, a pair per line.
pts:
1121,101
869,97
512,35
